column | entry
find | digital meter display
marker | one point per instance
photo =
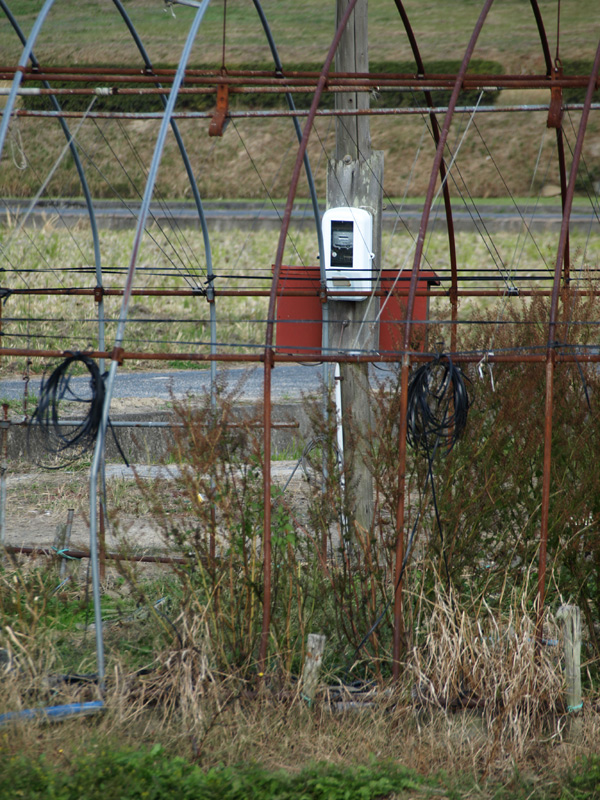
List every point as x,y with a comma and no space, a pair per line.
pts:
342,243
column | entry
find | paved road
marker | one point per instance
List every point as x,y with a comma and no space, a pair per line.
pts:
224,214
289,383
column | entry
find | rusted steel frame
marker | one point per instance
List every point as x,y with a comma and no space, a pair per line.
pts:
555,120
280,292
23,550
268,355
133,75
402,426
551,350
435,128
554,75
522,293
292,82
203,90
113,292
390,357
543,37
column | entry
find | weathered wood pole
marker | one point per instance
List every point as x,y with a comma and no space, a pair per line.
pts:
570,616
355,179
312,665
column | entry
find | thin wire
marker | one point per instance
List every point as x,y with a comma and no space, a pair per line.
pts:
183,268
510,194
116,192
442,184
179,233
405,195
21,226
479,222
243,143
517,260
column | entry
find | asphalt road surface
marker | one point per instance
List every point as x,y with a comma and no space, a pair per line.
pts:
289,383
225,214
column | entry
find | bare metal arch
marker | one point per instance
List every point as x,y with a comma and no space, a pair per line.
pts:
80,172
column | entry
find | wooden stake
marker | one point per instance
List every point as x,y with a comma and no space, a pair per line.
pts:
312,665
570,616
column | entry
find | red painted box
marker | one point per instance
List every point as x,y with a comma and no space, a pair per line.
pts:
299,319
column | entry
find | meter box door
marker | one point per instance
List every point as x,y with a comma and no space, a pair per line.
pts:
348,244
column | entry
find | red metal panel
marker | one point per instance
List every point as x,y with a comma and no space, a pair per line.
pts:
393,314
299,319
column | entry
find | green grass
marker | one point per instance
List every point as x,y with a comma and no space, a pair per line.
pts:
163,35
153,774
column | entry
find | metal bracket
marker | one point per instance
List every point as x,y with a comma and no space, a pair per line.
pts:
556,111
219,121
117,355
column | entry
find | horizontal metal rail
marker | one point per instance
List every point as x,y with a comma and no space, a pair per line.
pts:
333,357
399,111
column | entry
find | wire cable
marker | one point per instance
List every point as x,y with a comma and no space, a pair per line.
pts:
64,445
438,404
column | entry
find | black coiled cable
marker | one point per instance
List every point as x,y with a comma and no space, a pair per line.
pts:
438,405
437,410
47,434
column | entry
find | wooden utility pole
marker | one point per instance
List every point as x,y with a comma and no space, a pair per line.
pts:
355,179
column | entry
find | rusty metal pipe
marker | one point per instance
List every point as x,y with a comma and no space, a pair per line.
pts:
391,357
551,349
435,128
80,554
402,427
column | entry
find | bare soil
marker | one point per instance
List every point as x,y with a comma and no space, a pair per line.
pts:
38,502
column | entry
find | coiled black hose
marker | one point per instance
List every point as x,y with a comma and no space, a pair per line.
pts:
50,443
438,405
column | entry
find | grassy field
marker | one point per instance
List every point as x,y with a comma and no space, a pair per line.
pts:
255,157
303,31
50,258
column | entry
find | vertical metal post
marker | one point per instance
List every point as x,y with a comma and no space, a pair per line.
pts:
266,617
551,347
4,425
66,541
404,375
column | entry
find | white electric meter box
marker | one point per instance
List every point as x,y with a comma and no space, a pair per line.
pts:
348,244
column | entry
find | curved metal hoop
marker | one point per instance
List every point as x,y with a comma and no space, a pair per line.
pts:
80,172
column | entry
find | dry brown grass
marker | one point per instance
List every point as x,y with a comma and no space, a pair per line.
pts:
474,698
487,661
